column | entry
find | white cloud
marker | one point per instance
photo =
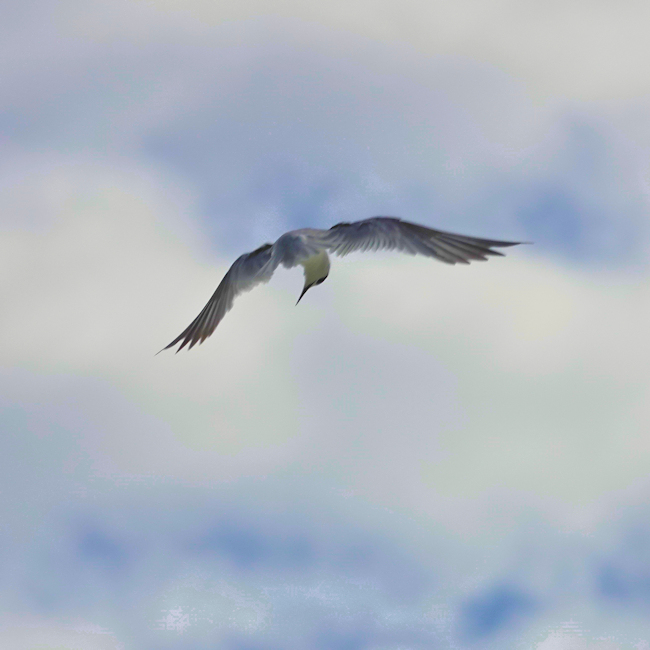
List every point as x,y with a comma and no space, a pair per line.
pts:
276,122
516,377
571,637
480,414
569,49
33,633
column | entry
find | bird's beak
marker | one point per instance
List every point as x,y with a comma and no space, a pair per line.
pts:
304,291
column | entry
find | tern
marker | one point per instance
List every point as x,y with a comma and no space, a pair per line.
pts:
309,247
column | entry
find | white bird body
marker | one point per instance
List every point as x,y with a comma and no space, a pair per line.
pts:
309,247
317,268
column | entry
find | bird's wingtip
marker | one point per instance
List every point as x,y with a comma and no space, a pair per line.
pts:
165,348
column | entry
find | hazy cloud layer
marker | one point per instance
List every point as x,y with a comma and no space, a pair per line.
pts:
416,456
455,397
272,122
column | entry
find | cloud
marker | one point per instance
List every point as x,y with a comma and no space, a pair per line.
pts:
450,399
417,455
277,121
573,639
535,329
564,49
155,563
27,633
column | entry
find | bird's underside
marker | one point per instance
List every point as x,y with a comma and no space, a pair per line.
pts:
309,247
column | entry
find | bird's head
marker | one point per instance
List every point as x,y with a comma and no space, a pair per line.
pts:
309,285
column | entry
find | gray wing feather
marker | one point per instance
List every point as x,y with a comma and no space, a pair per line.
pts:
246,272
390,233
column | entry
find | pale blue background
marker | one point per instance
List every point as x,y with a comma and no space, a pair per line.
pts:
417,456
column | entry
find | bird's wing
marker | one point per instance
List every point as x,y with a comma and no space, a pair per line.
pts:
394,234
246,272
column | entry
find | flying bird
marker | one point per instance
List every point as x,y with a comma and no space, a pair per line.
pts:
309,247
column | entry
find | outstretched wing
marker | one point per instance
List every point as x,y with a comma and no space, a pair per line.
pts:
394,234
247,271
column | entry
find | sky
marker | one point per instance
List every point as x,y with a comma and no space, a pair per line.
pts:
416,456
